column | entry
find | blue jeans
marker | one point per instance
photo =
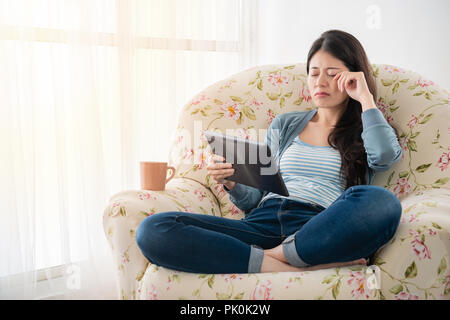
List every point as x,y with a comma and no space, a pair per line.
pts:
354,226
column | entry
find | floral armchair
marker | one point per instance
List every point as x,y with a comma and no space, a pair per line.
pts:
413,265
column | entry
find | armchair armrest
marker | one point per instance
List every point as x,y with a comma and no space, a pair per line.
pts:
415,263
127,209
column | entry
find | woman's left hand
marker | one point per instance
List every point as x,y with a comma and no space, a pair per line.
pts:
354,83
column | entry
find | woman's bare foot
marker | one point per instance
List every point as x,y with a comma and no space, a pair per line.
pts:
275,261
361,261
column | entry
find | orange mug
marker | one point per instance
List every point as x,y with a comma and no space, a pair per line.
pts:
154,175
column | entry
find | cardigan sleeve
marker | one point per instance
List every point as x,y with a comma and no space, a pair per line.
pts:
244,197
380,141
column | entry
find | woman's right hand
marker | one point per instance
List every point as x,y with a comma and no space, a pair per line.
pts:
220,171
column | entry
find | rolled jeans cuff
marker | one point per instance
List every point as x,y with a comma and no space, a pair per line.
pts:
256,259
290,252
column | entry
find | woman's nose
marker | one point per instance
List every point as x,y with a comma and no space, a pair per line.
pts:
321,80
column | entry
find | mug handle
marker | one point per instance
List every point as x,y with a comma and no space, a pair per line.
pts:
172,175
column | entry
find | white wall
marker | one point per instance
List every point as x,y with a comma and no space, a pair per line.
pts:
411,34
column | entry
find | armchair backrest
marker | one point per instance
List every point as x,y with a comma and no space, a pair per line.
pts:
245,104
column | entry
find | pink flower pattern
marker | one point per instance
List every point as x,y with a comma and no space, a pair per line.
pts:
389,119
179,139
392,69
262,291
146,196
413,121
226,85
200,194
232,110
188,154
201,159
170,281
418,246
244,133
446,285
277,79
382,106
306,95
124,258
424,83
406,296
235,210
444,160
403,141
411,218
256,104
402,187
198,100
220,191
270,116
357,281
115,208
151,293
187,208
292,281
232,276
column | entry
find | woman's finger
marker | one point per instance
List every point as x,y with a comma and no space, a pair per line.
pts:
341,81
216,157
346,82
218,166
349,83
223,172
336,77
221,178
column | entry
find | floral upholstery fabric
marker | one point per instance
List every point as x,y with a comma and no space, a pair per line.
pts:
413,265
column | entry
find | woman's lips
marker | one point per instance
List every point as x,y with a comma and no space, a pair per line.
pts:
322,95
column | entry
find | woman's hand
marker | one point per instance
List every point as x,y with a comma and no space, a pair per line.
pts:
220,171
354,83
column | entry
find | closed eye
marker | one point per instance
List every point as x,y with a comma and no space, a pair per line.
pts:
330,75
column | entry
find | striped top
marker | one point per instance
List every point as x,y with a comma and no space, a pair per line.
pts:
311,173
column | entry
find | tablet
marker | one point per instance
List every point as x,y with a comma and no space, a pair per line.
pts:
252,162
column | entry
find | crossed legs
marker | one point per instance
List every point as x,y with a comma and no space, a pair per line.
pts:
354,226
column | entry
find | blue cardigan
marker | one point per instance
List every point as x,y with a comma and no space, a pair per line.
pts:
380,143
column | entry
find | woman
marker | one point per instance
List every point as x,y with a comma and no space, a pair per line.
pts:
327,157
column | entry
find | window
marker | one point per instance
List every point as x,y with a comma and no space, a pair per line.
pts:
87,85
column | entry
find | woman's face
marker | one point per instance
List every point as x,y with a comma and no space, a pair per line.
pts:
323,67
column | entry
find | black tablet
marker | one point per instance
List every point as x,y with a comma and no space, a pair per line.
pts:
252,162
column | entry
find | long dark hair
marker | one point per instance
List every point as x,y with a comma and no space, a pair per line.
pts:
346,136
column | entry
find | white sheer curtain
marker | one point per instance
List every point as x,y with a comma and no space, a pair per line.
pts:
88,88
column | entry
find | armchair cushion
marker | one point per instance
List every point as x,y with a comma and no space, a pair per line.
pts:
330,284
415,264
